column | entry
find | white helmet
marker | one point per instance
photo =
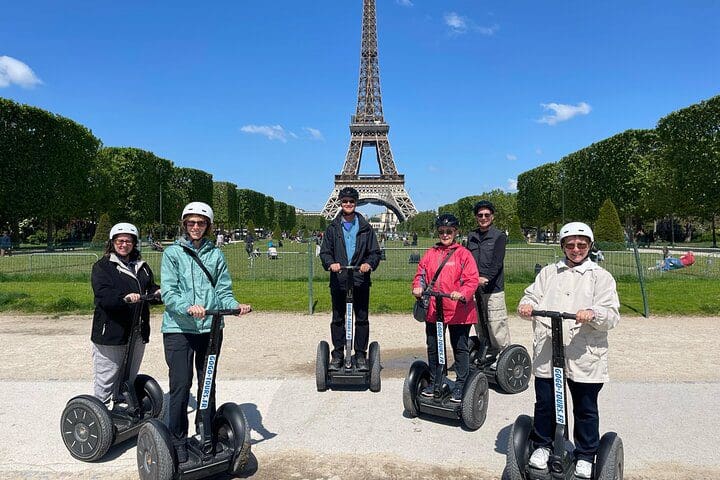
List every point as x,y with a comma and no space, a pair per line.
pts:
127,228
576,228
198,208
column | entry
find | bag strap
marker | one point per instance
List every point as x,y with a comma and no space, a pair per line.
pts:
437,272
195,257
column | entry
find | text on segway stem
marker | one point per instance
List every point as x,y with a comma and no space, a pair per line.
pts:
559,395
207,384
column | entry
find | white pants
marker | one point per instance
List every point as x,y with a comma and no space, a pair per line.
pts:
107,360
497,320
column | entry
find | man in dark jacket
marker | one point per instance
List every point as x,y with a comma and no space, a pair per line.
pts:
349,240
487,245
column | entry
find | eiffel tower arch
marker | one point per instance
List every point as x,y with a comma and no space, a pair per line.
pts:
369,129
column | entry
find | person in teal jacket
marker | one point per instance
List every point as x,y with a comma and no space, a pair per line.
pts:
188,292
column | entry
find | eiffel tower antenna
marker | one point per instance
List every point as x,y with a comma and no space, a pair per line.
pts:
368,128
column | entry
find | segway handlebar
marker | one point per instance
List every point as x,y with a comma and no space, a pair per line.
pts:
350,267
433,293
149,297
223,312
553,314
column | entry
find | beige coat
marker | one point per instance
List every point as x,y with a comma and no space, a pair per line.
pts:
561,288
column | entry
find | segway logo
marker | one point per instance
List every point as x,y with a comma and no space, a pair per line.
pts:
348,321
559,395
441,342
207,385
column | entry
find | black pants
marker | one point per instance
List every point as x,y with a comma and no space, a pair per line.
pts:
361,337
181,351
586,419
459,341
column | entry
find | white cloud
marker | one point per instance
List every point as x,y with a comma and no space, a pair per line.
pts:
510,157
314,133
512,184
456,23
271,132
538,151
488,31
562,112
405,3
290,187
15,71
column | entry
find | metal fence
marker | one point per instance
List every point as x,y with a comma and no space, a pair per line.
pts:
263,273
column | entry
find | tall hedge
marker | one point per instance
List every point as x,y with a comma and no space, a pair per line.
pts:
607,226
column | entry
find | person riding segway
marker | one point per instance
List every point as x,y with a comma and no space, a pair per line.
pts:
575,349
454,275
123,285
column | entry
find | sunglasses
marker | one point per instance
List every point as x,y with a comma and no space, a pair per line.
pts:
347,200
199,223
446,231
483,215
579,246
123,242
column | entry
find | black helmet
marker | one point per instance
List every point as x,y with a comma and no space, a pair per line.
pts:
483,204
348,192
447,220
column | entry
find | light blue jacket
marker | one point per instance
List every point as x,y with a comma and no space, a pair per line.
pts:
183,284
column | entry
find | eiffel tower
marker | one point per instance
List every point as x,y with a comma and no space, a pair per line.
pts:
368,128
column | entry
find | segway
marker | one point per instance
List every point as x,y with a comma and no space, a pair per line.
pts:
89,428
609,463
348,374
224,443
473,408
510,370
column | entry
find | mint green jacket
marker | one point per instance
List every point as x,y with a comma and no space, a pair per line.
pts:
183,284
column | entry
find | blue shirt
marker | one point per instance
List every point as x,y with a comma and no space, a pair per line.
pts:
350,231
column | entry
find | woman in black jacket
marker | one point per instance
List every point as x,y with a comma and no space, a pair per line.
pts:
118,279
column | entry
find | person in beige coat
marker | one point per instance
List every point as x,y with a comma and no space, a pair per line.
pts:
574,285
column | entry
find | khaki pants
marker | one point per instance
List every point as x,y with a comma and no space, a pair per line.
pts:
497,321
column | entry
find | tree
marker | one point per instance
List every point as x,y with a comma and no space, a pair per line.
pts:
607,226
102,232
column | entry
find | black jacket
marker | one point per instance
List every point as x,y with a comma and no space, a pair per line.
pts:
332,250
111,282
488,250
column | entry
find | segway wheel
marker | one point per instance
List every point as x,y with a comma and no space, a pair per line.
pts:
86,428
475,401
513,369
610,461
231,430
417,378
321,366
149,395
375,367
518,449
155,452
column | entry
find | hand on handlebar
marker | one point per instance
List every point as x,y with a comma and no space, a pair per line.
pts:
365,267
244,309
197,311
335,267
132,298
584,316
417,292
525,310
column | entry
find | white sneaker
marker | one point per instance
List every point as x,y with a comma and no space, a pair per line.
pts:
539,458
583,469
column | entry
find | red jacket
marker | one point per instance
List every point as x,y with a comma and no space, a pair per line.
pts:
460,274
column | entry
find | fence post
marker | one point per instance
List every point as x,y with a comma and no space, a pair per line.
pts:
311,260
641,277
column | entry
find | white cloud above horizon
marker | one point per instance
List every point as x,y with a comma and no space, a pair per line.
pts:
404,3
562,112
512,184
510,157
13,71
271,132
314,133
460,25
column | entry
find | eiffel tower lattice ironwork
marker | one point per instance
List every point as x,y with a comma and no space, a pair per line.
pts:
368,128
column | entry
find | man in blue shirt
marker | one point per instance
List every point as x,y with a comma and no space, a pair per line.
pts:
349,240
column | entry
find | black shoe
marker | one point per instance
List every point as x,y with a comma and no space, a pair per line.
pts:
181,452
428,391
457,394
361,362
335,364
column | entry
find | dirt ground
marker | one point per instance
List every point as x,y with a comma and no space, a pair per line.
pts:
280,345
268,345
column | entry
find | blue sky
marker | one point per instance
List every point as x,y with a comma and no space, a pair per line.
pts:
260,93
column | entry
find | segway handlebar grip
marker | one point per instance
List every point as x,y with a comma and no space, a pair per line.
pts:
433,293
145,298
551,314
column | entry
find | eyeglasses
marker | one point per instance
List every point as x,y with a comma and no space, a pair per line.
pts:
483,215
123,242
579,246
446,231
347,200
192,223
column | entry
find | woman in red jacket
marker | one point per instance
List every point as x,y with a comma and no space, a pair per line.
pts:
460,277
